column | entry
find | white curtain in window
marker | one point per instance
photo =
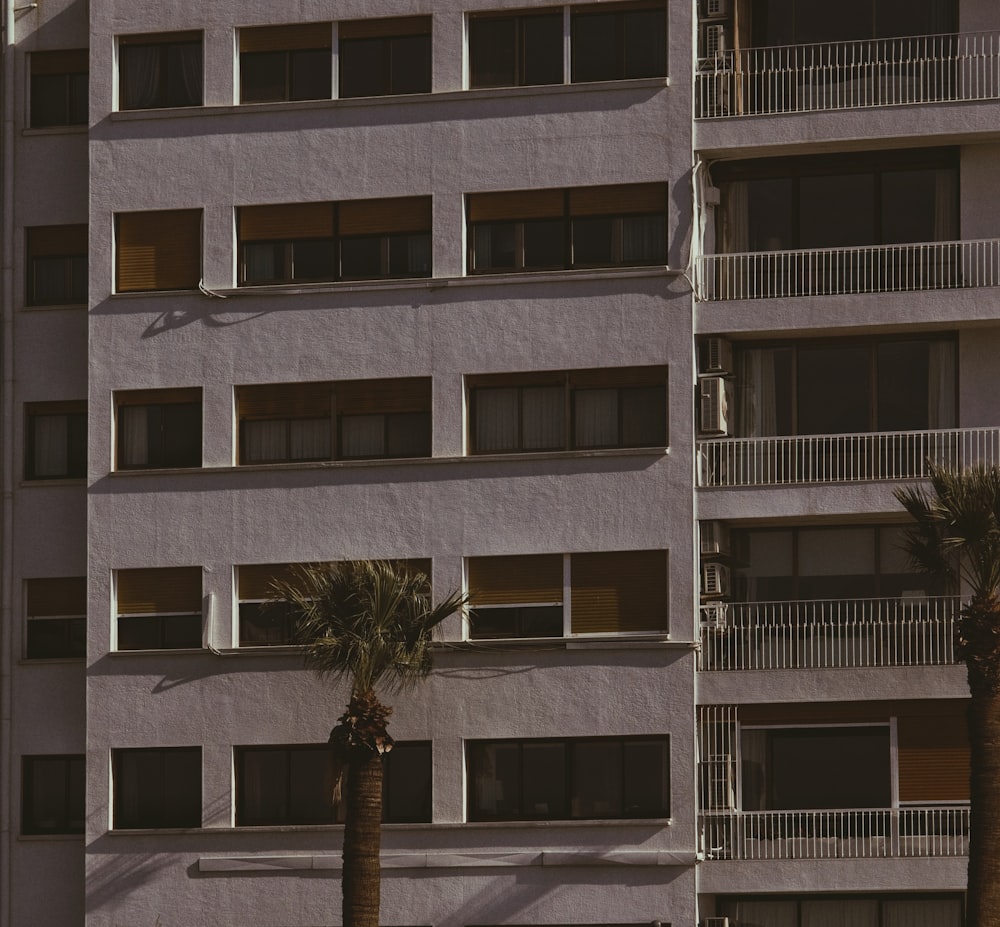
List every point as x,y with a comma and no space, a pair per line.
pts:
595,417
264,441
310,438
190,60
945,205
753,769
259,265
544,416
840,912
941,385
142,75
496,419
418,254
643,239
51,434
363,435
133,436
944,912
735,218
757,401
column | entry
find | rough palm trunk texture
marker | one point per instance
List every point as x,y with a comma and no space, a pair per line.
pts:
984,835
362,839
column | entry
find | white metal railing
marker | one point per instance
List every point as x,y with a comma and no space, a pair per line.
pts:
849,75
908,831
828,634
935,265
846,458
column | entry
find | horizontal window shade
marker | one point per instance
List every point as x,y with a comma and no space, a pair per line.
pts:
165,591
376,28
619,377
285,400
159,250
620,591
286,38
71,61
161,397
57,597
374,217
505,14
617,7
933,759
516,580
521,204
57,240
286,221
411,394
619,200
536,378
71,407
160,38
254,582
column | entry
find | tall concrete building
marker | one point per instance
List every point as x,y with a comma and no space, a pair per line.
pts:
625,317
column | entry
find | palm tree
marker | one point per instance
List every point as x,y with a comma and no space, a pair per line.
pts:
369,623
956,541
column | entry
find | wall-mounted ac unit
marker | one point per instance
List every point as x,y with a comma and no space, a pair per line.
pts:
714,538
717,355
718,775
715,922
714,580
714,401
714,615
713,9
714,41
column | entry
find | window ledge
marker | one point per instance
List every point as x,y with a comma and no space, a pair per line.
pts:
399,99
48,838
169,652
58,307
61,481
82,129
52,661
661,640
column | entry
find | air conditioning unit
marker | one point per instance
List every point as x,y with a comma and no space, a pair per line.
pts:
714,402
718,783
715,922
714,40
713,9
714,580
717,355
714,538
714,615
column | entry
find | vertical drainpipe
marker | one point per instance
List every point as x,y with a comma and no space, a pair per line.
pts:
7,462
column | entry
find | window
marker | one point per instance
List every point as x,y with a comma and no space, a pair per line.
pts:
553,780
325,242
52,794
156,788
158,250
279,63
56,265
608,593
516,50
293,785
159,609
536,230
858,910
158,428
58,88
880,385
620,42
568,410
55,440
348,420
56,610
608,41
382,57
160,70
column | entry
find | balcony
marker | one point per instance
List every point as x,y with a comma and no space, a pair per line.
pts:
849,75
841,458
936,265
879,833
828,634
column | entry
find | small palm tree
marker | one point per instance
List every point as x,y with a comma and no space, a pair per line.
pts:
955,540
370,623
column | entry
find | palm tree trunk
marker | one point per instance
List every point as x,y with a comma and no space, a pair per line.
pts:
362,838
984,835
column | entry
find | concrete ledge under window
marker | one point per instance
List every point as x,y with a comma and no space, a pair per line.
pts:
529,858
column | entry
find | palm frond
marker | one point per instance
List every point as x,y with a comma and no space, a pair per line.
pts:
369,621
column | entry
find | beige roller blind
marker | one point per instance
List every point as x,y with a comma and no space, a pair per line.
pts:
618,7
254,581
407,394
284,400
160,38
57,240
519,204
619,591
621,199
385,28
618,377
58,596
159,250
70,61
376,217
933,759
163,591
151,397
286,38
286,221
516,580
533,378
